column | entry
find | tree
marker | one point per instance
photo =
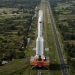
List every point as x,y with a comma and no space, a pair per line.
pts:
25,41
18,33
0,61
0,58
8,21
12,27
20,54
4,12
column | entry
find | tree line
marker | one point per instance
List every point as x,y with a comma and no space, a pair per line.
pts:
19,3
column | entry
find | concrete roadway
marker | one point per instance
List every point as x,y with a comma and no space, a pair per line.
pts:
62,63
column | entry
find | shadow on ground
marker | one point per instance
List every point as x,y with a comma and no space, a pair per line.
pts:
51,67
55,67
58,66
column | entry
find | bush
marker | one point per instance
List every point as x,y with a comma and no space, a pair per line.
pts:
20,54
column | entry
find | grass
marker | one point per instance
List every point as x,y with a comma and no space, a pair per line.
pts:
13,66
50,43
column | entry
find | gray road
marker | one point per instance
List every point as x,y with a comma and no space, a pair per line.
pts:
62,63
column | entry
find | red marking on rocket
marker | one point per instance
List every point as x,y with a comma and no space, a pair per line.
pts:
40,22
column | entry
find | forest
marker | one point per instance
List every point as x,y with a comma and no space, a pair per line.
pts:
16,25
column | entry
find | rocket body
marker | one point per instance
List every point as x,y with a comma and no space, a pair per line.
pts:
39,60
40,40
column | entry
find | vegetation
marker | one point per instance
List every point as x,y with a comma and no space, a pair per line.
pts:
18,22
16,25
64,16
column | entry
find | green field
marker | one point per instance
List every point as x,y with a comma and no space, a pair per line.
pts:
8,12
64,17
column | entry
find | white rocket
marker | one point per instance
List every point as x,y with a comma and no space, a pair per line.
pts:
40,40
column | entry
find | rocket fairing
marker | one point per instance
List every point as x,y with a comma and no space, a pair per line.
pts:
40,22
40,40
41,14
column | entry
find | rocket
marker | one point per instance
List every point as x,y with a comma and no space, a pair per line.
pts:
40,40
39,60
